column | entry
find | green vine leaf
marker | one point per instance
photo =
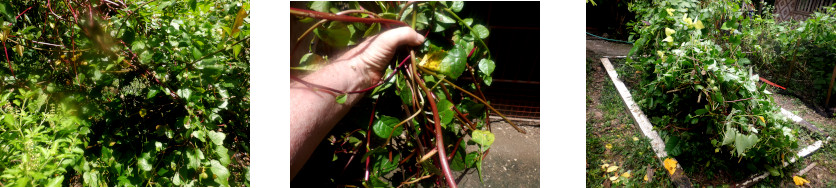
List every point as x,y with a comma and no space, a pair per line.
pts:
217,137
341,98
484,138
383,127
221,173
481,31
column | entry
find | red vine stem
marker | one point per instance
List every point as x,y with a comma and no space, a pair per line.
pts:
439,140
334,17
369,139
351,92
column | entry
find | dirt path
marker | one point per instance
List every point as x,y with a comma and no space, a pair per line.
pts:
514,159
606,48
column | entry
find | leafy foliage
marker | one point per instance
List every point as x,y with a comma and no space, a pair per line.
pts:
795,54
402,112
150,94
696,85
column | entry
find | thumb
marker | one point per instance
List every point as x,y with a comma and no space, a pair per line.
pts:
378,50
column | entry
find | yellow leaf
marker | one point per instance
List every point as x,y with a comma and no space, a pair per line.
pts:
142,112
716,150
799,181
761,117
670,11
635,138
687,20
668,39
605,165
669,32
432,60
614,178
699,25
646,177
239,20
111,143
608,146
670,164
626,174
612,168
19,49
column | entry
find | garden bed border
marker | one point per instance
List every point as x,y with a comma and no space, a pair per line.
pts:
679,178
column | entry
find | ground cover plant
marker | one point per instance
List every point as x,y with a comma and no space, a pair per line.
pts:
415,125
124,93
700,93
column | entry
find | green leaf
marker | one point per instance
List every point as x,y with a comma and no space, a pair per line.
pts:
144,164
56,182
457,6
443,18
484,138
320,6
221,173
336,35
729,25
743,142
454,63
152,93
217,137
196,53
22,182
341,98
383,127
468,21
673,146
373,30
701,111
481,31
223,155
384,166
445,111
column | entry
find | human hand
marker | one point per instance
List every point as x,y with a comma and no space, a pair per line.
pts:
371,56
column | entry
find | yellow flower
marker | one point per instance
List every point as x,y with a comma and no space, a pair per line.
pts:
670,164
669,31
646,177
687,20
608,146
626,174
761,117
668,39
698,25
670,11
799,181
612,168
635,138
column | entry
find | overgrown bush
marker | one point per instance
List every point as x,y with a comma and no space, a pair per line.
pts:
157,90
797,55
696,86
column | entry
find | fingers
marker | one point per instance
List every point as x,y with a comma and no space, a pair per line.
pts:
378,50
401,36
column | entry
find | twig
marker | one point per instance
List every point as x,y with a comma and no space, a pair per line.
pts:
477,98
334,17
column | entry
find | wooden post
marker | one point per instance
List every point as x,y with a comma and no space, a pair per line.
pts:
832,77
678,177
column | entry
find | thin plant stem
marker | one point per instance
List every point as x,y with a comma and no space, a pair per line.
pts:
439,138
477,98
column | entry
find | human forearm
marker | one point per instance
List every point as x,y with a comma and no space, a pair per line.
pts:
314,112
